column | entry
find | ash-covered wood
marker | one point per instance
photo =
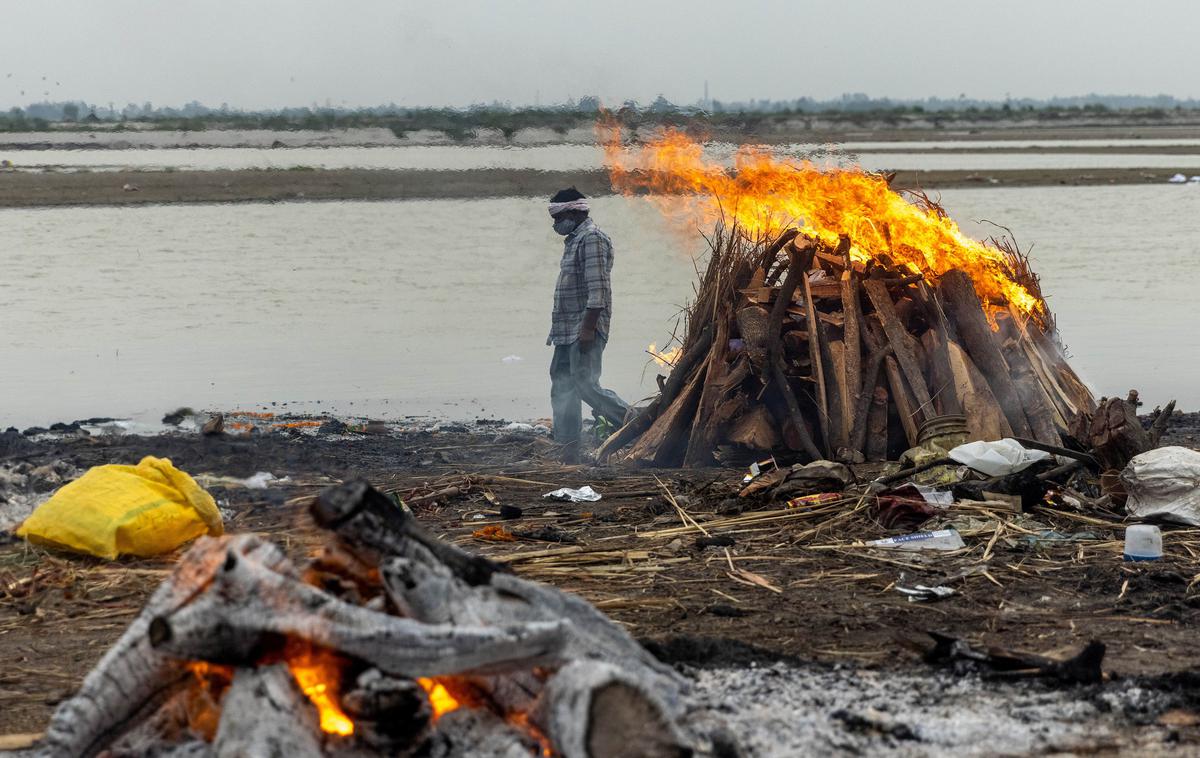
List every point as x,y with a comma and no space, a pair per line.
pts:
265,714
797,351
590,709
255,598
132,679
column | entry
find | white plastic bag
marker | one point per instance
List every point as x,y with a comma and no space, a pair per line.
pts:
1164,483
584,494
998,458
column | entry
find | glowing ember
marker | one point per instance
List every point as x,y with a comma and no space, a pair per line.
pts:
318,677
765,195
665,358
439,697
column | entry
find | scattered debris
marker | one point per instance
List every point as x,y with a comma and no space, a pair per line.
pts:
921,592
942,539
1082,668
584,494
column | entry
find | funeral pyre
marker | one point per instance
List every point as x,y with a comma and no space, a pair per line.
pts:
390,642
837,318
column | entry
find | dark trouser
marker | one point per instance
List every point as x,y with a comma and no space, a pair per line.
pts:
575,377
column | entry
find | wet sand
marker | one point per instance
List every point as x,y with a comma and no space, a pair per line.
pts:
25,190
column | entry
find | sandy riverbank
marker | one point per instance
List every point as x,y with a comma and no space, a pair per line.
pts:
27,189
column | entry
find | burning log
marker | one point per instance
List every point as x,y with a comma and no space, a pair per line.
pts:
255,595
265,713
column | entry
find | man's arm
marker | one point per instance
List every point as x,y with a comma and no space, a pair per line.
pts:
594,250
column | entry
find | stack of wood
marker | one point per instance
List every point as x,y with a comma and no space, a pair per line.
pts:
794,349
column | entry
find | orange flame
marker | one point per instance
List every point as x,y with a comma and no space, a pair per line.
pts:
318,675
439,697
764,195
665,358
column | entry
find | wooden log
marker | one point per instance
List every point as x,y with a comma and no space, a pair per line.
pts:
1159,423
392,715
1115,434
772,251
255,596
679,376
755,430
902,349
985,419
817,355
852,312
265,713
839,409
797,270
877,424
965,312
1037,404
906,405
663,443
705,427
591,709
132,679
866,394
937,348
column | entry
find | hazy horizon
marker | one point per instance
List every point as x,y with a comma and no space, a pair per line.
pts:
276,54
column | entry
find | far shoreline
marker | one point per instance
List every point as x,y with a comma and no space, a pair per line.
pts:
20,189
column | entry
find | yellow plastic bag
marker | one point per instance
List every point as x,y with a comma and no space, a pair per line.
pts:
142,510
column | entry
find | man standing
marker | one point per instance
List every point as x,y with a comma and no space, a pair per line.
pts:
580,322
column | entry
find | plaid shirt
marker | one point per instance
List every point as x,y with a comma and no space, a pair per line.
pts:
583,283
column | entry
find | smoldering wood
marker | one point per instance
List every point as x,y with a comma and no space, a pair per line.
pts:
937,344
474,732
392,715
966,312
255,598
265,713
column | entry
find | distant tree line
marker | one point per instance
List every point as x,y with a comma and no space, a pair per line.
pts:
506,118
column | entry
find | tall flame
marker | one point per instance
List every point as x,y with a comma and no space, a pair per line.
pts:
764,195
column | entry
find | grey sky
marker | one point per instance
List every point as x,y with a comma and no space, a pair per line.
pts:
269,53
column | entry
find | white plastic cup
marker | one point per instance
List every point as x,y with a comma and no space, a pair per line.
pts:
1143,542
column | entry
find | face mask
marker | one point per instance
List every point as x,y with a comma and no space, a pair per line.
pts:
565,226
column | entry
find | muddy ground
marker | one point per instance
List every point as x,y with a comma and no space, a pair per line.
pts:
765,584
19,189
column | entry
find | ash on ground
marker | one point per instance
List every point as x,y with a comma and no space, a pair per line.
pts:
806,709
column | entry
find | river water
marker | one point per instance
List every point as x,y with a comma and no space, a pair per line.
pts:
440,307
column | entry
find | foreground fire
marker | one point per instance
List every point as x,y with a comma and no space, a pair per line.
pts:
765,195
